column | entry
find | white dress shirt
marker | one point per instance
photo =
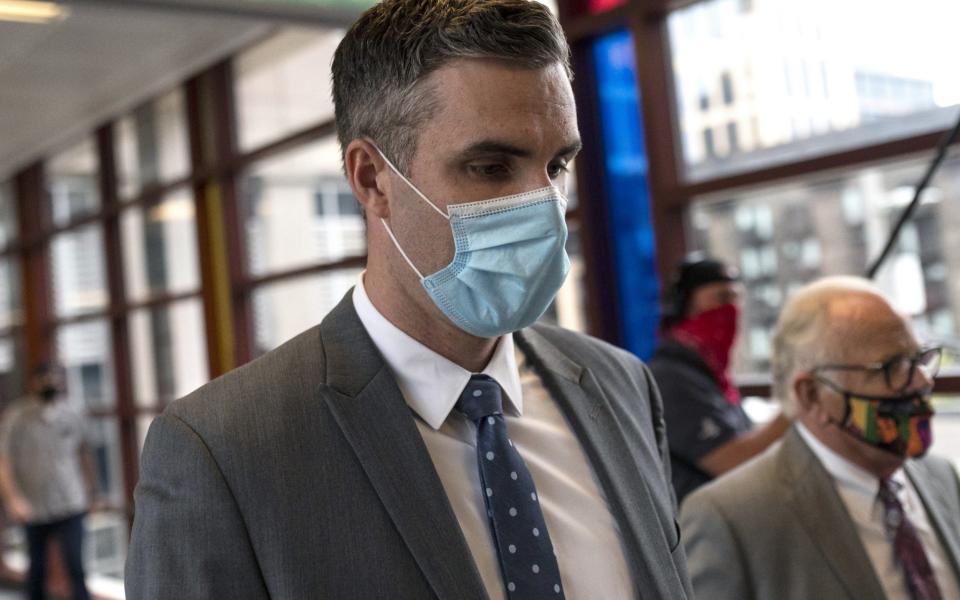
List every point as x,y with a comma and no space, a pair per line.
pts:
585,537
858,489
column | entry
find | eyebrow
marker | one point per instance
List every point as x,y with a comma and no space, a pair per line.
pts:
497,147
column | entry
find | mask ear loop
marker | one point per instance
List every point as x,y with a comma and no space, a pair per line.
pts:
847,404
389,231
409,183
400,250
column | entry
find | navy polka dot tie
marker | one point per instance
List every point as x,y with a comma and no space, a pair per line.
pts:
527,562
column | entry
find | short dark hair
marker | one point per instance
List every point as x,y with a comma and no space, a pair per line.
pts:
694,272
383,58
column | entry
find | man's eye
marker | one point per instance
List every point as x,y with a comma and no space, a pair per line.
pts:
558,169
490,170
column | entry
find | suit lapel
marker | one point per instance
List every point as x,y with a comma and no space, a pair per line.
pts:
583,403
935,500
813,498
369,408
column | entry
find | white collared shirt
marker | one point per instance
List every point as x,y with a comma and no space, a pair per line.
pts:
585,536
858,489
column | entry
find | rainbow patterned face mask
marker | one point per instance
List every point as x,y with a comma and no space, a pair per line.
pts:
899,424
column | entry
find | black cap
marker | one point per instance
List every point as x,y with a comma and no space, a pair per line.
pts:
692,273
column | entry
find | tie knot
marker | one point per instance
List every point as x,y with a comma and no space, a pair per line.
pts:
481,398
888,493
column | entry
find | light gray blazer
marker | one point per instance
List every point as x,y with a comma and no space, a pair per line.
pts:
776,529
302,475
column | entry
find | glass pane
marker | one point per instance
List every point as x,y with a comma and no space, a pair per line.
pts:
79,279
85,349
761,82
169,351
11,313
73,183
160,247
143,427
8,213
105,444
627,191
152,145
783,236
282,310
299,210
283,84
11,365
105,550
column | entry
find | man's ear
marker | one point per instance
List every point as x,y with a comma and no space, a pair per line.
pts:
807,392
367,174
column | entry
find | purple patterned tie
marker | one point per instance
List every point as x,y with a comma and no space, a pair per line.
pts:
907,547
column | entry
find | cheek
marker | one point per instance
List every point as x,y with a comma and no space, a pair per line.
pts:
830,409
427,240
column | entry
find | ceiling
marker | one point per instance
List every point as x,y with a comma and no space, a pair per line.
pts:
59,81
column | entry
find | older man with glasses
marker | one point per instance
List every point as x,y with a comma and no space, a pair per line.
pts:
848,505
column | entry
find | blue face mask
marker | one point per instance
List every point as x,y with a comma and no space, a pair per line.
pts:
510,259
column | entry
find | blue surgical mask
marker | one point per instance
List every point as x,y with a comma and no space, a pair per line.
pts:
510,259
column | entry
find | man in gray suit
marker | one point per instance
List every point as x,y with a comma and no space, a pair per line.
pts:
848,505
426,440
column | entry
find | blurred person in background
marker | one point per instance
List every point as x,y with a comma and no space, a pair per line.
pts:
708,431
47,477
846,507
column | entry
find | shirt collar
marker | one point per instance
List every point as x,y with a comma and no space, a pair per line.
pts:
843,471
430,383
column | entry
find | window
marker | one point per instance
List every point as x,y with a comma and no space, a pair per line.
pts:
8,214
708,146
299,210
78,270
275,318
73,186
152,145
812,91
733,142
283,85
160,247
85,350
726,85
812,234
168,352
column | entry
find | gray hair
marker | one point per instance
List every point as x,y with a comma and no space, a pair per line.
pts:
802,337
380,63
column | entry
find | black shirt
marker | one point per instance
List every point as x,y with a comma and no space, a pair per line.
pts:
699,417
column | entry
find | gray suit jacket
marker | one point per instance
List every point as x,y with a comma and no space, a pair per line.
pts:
302,475
777,529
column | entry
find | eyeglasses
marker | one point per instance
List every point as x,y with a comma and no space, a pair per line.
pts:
898,371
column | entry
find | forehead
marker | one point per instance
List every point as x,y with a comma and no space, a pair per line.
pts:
485,98
871,331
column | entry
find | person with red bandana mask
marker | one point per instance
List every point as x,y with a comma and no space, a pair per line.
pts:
708,431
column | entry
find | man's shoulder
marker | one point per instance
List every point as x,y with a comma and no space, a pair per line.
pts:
935,468
751,489
584,349
294,369
17,409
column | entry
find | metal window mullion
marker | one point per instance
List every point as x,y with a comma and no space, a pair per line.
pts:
119,328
